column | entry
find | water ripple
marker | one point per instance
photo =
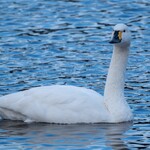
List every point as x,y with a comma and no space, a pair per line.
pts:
66,42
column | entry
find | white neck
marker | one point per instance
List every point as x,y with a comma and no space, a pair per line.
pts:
114,88
116,74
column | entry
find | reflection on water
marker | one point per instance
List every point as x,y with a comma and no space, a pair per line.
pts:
38,135
66,42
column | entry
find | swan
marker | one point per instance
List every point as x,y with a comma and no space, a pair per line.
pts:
66,104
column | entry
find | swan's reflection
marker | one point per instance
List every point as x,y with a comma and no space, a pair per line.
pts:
81,136
115,134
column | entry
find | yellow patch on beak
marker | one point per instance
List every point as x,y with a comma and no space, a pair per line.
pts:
120,35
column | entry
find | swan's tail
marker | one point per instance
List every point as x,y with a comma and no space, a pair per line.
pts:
10,114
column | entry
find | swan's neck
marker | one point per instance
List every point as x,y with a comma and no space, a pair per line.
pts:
116,75
114,88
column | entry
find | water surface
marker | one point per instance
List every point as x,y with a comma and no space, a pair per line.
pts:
66,42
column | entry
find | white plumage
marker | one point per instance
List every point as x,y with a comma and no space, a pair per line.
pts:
70,104
59,104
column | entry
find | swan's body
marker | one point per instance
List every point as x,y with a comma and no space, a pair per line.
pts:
58,104
70,104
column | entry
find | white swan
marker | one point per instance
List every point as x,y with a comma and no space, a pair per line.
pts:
70,104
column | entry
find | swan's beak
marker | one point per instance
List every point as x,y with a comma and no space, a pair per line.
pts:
116,37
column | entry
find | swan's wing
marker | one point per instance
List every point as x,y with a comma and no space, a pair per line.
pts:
59,104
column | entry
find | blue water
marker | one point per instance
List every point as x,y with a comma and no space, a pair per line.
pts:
45,42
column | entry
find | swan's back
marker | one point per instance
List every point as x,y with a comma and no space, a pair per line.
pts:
58,104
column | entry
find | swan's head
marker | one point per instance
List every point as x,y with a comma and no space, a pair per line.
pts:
121,35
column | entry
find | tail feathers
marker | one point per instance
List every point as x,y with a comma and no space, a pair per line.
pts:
12,115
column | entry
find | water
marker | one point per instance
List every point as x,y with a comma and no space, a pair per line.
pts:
66,42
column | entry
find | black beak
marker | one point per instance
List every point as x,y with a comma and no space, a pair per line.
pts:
116,37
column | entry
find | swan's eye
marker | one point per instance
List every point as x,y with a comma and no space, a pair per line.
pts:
124,30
